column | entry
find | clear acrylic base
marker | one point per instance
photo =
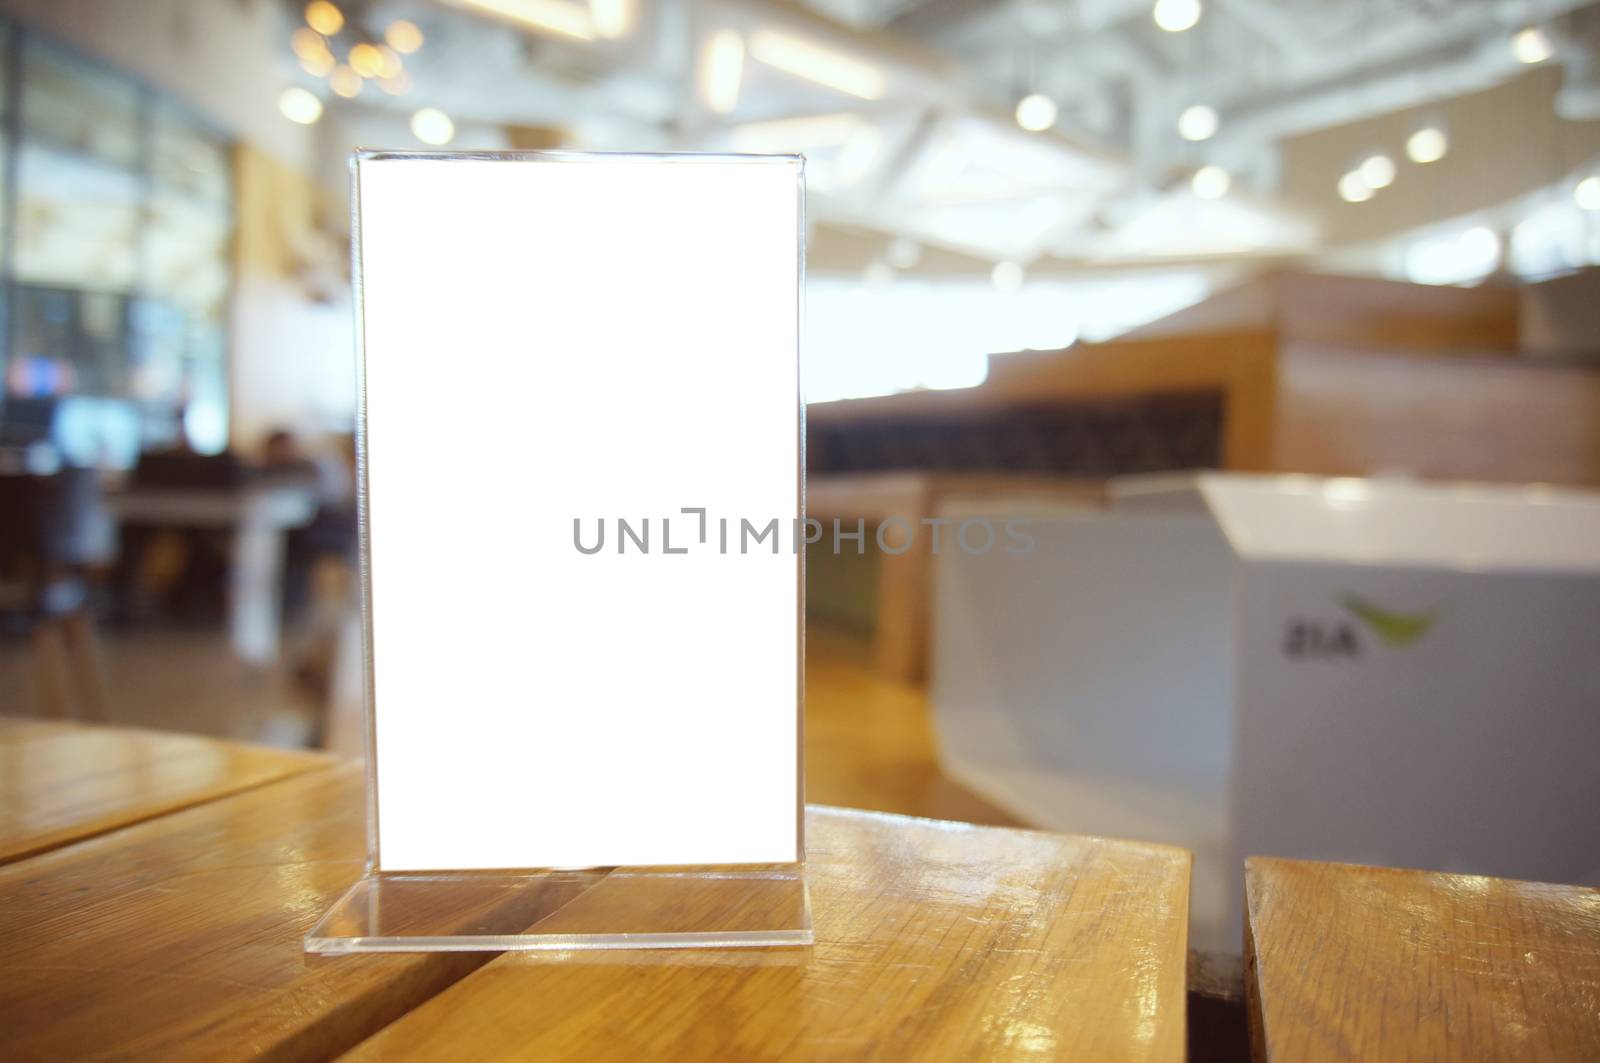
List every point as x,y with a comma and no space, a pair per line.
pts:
620,908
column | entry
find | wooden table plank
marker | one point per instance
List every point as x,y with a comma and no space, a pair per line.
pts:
62,782
934,941
1347,962
180,938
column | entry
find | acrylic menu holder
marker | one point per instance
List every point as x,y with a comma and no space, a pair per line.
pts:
563,909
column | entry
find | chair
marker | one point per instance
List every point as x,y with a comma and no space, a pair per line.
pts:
54,529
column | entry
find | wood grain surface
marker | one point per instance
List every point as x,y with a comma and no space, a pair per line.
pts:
934,941
1363,963
869,741
62,782
180,938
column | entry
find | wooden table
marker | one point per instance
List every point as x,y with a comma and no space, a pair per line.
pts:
61,782
180,937
1346,962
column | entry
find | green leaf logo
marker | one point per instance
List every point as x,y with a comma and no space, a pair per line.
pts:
1396,630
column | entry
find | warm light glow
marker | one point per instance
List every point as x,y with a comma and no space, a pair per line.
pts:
1428,144
345,82
390,65
806,59
324,17
1532,45
398,85
611,18
1353,188
366,60
403,36
1036,113
1587,194
555,16
1175,16
432,126
307,43
904,253
1007,276
1211,182
1377,171
1197,123
722,70
318,65
300,105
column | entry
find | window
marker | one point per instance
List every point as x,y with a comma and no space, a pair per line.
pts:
117,222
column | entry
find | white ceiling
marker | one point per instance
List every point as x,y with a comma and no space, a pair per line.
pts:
935,154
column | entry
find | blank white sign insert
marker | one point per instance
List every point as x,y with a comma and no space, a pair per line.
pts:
559,339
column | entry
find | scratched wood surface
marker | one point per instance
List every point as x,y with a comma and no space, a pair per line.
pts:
1363,963
934,941
62,782
180,937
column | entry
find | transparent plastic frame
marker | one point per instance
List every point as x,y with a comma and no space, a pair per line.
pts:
563,910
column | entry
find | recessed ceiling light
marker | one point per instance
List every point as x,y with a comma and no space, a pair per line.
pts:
1197,123
1175,16
300,105
345,82
1587,193
1427,144
1377,171
403,36
1353,189
324,17
432,126
1036,113
1532,45
1211,182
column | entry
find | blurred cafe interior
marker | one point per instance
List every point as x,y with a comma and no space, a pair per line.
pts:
1278,319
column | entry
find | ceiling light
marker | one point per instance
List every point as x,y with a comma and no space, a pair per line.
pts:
1587,193
389,65
1211,182
1532,45
905,254
611,18
366,60
1007,276
345,82
1427,145
307,43
398,85
318,65
1175,16
1036,113
1377,171
565,17
812,61
1353,188
300,105
1480,246
1197,123
324,17
432,126
722,70
403,36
